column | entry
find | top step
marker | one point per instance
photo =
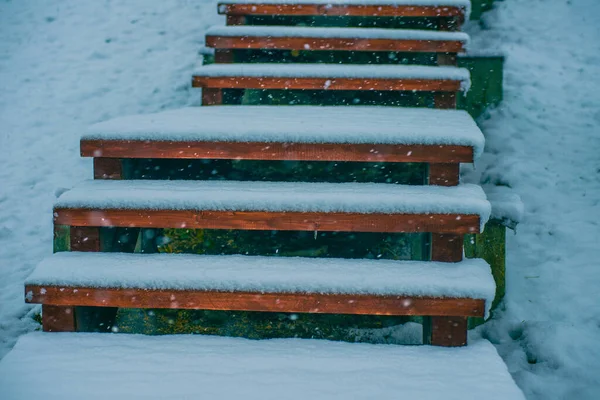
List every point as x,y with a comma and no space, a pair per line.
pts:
358,8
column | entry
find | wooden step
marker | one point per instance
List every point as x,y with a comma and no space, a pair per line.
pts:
446,81
350,207
73,365
346,39
446,137
237,10
268,284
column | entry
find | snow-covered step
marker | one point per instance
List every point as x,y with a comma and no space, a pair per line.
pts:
357,8
103,366
347,39
272,284
292,133
444,80
275,206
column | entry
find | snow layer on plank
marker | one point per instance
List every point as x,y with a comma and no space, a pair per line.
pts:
79,365
366,198
333,71
465,4
470,278
302,124
507,205
345,33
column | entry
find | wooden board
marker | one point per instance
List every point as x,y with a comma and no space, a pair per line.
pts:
250,301
340,10
235,82
261,220
342,44
274,151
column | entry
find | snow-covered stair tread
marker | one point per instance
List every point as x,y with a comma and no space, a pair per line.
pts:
332,32
364,198
118,366
470,278
336,71
306,124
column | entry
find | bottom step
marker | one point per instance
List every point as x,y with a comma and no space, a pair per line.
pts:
119,366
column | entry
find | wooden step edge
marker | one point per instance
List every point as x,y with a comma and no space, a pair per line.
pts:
340,10
295,83
338,44
255,301
103,148
261,220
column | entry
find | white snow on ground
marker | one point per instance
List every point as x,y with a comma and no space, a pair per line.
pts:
55,366
64,65
544,142
68,63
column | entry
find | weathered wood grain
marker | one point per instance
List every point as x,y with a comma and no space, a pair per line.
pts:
251,301
260,220
277,151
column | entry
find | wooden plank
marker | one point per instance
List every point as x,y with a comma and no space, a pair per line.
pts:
444,174
447,331
224,56
340,10
238,82
56,318
233,20
107,168
252,301
84,238
444,100
342,44
260,220
446,247
211,96
277,151
448,58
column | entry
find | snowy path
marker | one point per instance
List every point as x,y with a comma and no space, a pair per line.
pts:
57,366
63,66
544,142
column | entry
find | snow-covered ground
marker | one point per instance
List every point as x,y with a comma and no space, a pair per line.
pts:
544,142
66,64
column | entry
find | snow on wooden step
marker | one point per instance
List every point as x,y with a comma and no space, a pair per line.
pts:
364,198
118,366
344,33
338,71
434,3
303,124
470,278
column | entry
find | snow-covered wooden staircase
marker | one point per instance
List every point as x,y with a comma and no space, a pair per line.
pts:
445,289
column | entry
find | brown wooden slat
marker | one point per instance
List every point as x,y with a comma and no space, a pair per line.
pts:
56,318
447,331
444,101
212,97
444,174
259,220
107,168
446,247
277,151
250,301
340,10
235,82
342,44
84,238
